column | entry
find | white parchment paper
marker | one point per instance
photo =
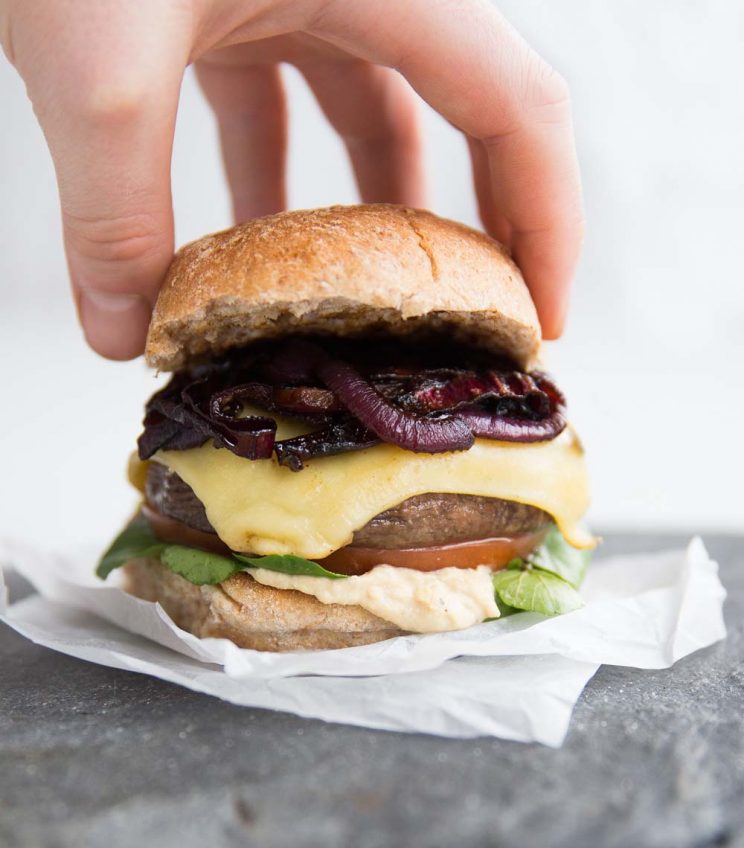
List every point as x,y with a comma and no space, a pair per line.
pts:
517,678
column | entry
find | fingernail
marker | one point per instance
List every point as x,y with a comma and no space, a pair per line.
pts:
109,303
115,325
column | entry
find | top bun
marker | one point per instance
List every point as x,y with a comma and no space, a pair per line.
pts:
346,271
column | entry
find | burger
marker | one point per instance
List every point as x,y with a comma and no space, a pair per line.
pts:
356,442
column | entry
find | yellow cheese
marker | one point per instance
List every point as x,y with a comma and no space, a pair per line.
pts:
262,507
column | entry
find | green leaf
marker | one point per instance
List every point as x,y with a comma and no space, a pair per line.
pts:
288,564
535,590
197,566
504,609
138,540
135,541
558,557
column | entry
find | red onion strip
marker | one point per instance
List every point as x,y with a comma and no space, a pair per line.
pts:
391,424
489,426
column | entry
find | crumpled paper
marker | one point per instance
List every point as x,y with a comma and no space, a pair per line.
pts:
515,678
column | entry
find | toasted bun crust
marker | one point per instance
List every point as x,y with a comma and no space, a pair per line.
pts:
345,270
253,615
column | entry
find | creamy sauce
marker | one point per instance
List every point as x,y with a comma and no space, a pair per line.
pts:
417,601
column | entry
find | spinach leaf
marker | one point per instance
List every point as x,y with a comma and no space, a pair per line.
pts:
136,540
545,581
558,557
288,564
198,567
535,590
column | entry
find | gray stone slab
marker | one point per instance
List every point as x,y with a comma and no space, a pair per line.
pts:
91,756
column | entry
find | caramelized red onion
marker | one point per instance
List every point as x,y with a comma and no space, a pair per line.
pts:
306,402
512,389
186,416
417,403
250,436
391,423
165,433
340,436
486,425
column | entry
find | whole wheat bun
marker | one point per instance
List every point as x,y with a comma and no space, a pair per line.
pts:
344,270
253,615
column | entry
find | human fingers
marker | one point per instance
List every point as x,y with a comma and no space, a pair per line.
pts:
373,110
249,104
106,99
470,65
490,215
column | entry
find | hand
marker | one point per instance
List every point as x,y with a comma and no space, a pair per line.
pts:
104,78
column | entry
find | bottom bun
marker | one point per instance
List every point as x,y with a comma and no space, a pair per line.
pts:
253,615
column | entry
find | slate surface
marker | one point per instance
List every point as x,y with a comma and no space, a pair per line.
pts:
91,756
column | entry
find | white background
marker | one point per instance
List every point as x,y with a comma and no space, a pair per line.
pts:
653,357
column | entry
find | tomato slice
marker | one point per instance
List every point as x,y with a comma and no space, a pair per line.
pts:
496,552
177,533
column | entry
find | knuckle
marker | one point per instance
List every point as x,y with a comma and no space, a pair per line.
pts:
568,223
547,94
538,95
116,100
115,240
318,14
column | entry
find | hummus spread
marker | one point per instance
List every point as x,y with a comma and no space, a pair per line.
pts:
417,601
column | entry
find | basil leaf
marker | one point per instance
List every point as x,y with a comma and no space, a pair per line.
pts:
135,541
558,557
196,566
288,564
535,590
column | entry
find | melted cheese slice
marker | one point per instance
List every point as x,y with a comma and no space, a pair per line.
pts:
262,507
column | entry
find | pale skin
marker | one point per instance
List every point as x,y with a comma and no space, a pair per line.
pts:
104,78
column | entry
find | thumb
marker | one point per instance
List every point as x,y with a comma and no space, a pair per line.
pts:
106,98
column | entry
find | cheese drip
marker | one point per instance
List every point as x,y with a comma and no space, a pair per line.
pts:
417,601
264,508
